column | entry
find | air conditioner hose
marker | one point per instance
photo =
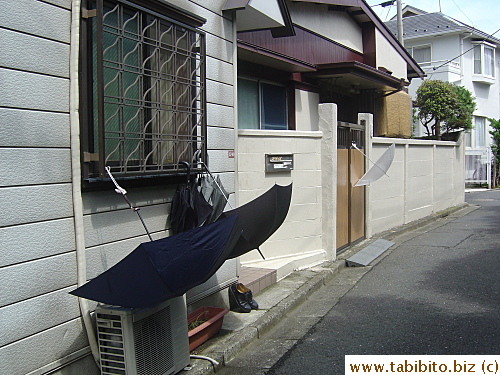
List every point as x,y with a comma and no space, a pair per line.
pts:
74,117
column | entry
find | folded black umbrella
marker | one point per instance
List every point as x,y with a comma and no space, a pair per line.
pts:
189,208
158,270
260,218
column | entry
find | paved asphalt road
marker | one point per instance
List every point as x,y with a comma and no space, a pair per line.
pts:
436,291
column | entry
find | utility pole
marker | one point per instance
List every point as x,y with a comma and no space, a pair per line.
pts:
400,22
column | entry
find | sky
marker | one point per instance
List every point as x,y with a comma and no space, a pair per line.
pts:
482,14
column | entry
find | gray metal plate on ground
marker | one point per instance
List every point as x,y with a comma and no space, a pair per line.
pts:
367,255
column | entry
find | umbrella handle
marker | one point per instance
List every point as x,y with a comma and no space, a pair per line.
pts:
188,167
216,183
123,192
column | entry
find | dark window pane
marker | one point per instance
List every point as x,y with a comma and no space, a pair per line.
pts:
248,104
273,111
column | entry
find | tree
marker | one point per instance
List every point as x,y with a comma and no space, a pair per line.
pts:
495,149
462,119
444,106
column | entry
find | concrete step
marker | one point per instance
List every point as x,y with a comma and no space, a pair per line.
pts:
286,265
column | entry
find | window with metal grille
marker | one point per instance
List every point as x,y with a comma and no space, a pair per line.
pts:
143,88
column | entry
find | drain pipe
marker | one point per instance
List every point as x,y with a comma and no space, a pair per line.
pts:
76,173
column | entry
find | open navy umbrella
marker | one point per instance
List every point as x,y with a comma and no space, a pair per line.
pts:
260,218
158,270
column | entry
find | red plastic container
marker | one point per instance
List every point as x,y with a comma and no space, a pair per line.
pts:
214,317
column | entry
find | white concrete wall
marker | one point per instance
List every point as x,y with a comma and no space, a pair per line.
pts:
37,256
425,177
306,110
301,231
388,57
337,26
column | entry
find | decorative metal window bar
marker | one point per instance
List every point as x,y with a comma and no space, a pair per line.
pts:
149,94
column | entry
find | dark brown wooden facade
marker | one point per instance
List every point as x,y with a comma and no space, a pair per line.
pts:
305,46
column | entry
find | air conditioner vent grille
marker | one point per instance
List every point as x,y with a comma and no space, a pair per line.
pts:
153,340
111,344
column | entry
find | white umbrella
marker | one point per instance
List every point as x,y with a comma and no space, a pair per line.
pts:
379,167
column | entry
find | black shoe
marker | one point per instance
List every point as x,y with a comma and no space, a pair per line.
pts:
238,302
248,294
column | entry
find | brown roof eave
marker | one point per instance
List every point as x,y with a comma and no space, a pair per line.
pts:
361,70
298,64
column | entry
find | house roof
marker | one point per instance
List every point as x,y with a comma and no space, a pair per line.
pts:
361,12
433,24
409,11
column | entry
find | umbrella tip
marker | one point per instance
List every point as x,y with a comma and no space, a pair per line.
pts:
260,252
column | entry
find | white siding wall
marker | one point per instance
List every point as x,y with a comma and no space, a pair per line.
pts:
37,256
388,57
336,26
306,110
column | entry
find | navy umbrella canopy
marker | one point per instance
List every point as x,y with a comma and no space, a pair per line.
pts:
158,270
260,218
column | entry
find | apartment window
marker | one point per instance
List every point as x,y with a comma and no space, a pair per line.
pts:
143,88
262,105
421,54
484,60
479,131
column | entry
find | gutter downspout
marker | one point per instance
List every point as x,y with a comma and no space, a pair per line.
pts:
76,173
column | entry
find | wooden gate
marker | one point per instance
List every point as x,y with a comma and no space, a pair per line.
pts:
350,199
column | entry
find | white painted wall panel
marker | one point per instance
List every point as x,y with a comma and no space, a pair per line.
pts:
62,3
219,48
25,128
100,258
29,204
337,26
43,348
33,91
31,279
30,53
36,18
424,178
118,225
21,243
215,24
219,115
213,5
220,71
302,230
220,161
85,365
109,200
388,57
37,314
30,166
219,93
306,110
220,138
224,276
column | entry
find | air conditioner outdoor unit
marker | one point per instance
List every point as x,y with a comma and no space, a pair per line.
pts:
143,341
